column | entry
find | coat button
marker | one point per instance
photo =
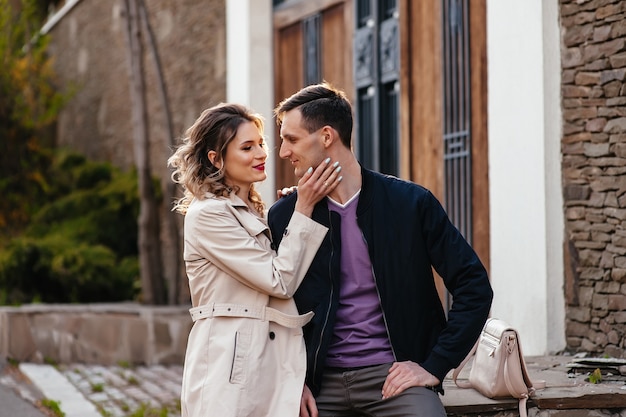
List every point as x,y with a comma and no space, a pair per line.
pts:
272,335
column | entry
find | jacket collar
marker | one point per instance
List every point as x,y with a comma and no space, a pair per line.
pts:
233,198
367,194
235,201
251,222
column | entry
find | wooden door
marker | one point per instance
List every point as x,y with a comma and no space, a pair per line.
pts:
312,43
427,114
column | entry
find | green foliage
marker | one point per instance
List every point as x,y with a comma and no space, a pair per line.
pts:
49,361
32,100
596,376
81,245
124,364
68,227
29,105
147,411
53,406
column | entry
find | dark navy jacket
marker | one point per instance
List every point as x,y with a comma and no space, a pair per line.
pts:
407,233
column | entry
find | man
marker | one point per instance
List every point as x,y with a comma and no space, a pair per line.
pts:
379,343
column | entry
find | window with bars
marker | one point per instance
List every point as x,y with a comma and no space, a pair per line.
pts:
376,75
457,114
311,48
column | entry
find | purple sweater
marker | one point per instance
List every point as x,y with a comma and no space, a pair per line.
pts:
360,337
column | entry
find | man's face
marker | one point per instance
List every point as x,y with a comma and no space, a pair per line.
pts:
302,148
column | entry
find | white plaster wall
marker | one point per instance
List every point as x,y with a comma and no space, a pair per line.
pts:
250,70
526,224
555,227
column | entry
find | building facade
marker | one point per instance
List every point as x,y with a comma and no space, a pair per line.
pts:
512,113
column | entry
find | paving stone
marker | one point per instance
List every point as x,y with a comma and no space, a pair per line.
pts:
115,394
113,411
125,390
152,389
159,387
138,394
113,377
55,386
98,397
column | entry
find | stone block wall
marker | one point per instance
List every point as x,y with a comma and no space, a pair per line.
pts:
104,334
594,173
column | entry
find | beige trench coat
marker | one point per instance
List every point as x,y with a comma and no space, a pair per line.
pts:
245,354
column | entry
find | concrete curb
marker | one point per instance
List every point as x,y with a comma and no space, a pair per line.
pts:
55,386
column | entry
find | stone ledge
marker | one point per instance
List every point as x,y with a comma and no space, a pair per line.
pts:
95,333
125,307
563,392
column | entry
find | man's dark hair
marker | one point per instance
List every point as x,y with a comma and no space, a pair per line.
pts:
320,105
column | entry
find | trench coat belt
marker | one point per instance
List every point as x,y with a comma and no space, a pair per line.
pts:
253,312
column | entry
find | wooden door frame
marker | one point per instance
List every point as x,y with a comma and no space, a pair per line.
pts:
421,121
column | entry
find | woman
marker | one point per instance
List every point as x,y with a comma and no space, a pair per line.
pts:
245,354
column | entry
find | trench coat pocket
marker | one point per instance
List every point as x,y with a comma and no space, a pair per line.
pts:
241,349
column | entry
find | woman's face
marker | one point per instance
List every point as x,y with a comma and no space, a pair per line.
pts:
244,162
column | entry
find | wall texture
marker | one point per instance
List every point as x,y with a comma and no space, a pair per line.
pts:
89,49
594,173
95,333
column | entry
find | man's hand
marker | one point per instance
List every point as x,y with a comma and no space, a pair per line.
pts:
308,408
403,375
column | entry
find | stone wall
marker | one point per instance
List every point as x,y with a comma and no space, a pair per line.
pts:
106,334
594,173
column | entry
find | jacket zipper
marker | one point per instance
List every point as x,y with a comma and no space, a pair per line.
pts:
380,301
332,290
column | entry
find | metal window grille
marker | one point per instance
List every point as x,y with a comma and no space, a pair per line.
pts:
457,114
312,55
376,74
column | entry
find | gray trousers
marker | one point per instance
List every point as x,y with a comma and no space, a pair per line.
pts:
358,393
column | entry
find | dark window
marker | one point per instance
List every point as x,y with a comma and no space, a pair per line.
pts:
457,114
376,74
312,55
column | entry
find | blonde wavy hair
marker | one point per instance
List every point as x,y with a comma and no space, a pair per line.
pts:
212,131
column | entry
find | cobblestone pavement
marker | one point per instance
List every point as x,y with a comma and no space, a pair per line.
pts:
115,391
118,391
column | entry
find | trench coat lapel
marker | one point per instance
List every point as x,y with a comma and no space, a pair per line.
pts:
253,224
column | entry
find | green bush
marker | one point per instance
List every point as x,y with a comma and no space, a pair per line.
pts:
68,230
80,246
29,105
